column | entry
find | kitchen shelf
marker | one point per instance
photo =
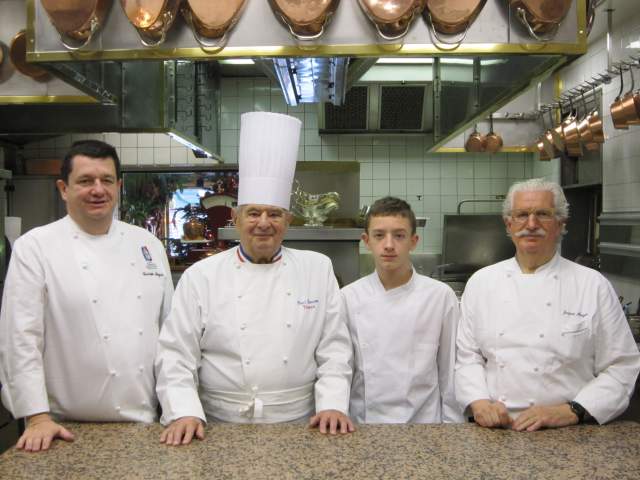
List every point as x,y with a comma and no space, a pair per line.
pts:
324,234
623,249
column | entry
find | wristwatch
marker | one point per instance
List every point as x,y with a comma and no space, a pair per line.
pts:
578,409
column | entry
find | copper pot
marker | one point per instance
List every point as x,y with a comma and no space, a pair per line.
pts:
493,141
211,20
595,125
571,135
76,21
541,18
617,112
476,141
542,150
306,19
152,18
18,56
451,17
629,103
392,18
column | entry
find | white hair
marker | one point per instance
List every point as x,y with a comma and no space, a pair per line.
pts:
560,203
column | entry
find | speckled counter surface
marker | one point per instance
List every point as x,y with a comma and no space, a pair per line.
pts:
132,451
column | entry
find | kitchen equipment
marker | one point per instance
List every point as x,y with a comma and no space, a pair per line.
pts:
545,142
451,17
571,135
392,18
629,110
313,208
306,19
541,18
493,141
152,18
76,21
476,141
584,128
617,113
212,20
18,56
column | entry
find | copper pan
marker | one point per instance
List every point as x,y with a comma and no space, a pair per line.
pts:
152,18
392,18
18,56
76,21
306,19
584,127
629,103
541,18
571,135
476,141
494,141
617,112
211,20
451,17
540,147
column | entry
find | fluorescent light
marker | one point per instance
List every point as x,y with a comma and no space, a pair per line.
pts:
237,61
400,60
634,44
189,144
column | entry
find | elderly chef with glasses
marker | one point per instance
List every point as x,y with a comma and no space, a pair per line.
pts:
81,309
255,334
543,341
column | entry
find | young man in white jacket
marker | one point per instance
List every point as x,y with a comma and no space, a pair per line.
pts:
81,309
543,341
403,328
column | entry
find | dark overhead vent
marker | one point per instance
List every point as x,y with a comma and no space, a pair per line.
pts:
352,115
401,107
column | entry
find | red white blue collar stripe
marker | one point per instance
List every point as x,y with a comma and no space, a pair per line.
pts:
244,257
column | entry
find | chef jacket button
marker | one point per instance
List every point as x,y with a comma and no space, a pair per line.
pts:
85,266
502,365
143,403
536,369
133,264
139,296
141,368
508,275
237,266
247,362
114,373
117,408
239,296
243,326
541,335
254,389
140,331
94,300
105,336
555,277
503,399
548,304
289,324
531,402
501,334
285,360
284,263
75,236
289,293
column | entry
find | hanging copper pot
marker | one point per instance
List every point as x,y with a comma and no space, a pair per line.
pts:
152,18
595,124
18,56
540,147
392,18
306,19
211,20
629,104
493,141
451,17
76,21
571,135
476,141
617,112
541,18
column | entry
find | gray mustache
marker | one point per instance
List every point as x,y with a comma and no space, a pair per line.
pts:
538,232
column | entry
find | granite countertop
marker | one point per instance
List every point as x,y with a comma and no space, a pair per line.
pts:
290,451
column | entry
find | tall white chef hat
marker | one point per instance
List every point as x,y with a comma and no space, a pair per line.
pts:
267,158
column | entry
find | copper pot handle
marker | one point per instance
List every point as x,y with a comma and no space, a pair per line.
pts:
455,45
208,45
395,37
547,38
167,19
68,42
297,36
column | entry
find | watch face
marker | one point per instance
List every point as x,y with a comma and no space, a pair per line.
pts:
578,410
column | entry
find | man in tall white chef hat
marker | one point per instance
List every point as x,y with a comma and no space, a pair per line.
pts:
543,341
81,309
255,334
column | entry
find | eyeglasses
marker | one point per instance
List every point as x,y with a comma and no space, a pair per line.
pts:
543,215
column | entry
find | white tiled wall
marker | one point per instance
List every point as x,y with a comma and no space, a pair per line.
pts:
389,165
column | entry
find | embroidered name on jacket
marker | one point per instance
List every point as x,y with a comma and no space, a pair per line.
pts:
574,314
308,304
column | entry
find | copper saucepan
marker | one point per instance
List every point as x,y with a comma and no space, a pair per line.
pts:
152,18
306,19
584,127
451,17
629,103
494,141
76,21
476,141
617,111
541,18
571,135
18,56
392,18
211,20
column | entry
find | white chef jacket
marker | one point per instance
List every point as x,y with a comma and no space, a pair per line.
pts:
254,343
80,320
404,344
545,338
